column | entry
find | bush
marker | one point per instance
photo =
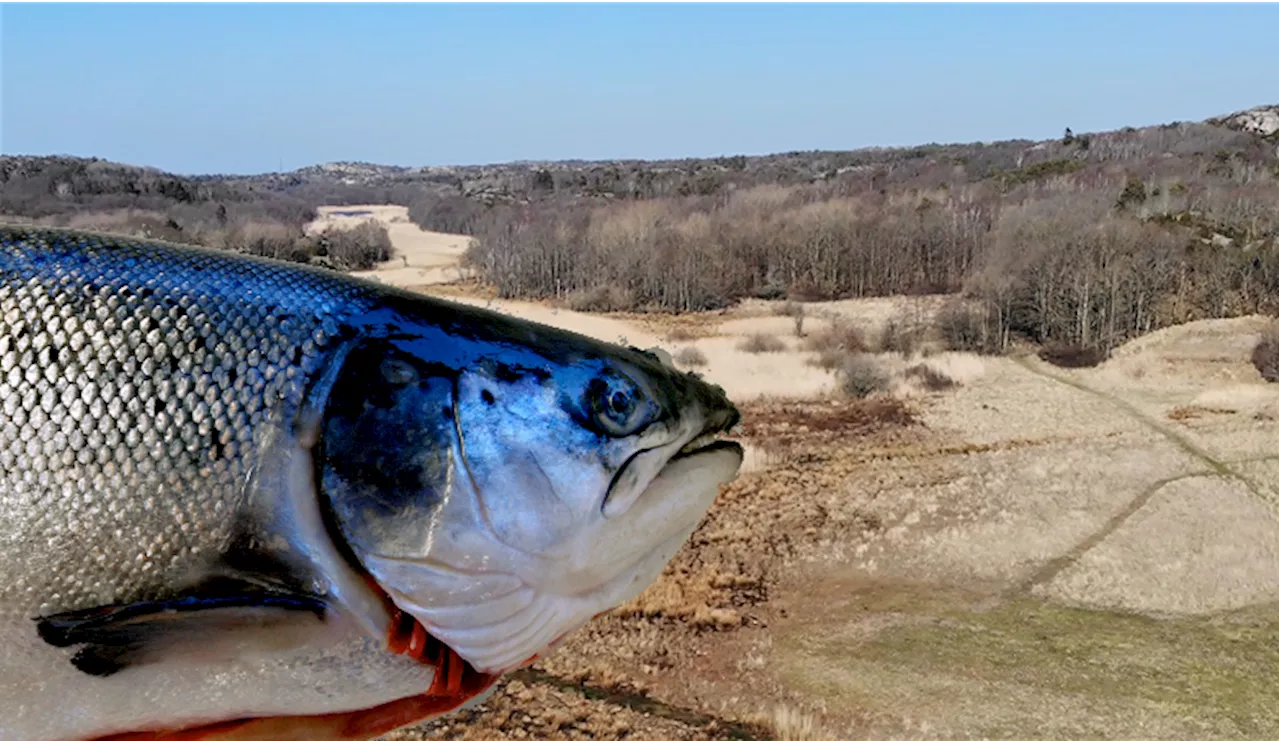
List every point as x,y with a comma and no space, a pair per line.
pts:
788,308
358,248
898,337
1264,354
931,378
600,299
861,375
270,239
841,335
965,329
681,334
760,342
829,360
691,357
1072,356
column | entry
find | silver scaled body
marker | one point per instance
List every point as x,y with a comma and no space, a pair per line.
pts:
144,396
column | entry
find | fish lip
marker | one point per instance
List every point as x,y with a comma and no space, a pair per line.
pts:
712,446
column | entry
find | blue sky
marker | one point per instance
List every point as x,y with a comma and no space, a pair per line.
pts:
250,88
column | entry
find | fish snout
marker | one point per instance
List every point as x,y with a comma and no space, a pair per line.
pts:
719,413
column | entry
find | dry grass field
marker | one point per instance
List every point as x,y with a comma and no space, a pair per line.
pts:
981,547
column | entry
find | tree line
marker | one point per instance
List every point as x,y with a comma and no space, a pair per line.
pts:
214,212
1130,233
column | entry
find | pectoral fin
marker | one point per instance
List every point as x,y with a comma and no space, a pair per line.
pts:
208,625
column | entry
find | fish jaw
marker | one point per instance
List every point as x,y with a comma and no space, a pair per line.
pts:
500,620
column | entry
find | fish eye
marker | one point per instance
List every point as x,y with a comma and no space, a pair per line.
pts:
617,406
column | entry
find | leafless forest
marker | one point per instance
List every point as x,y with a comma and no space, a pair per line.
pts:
1084,242
1079,242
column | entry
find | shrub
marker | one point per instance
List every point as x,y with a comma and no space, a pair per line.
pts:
600,299
965,329
759,342
1072,356
861,375
931,378
788,308
358,248
829,360
1264,354
841,335
691,357
270,239
681,334
898,337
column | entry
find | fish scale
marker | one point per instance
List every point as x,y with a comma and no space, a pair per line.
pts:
158,396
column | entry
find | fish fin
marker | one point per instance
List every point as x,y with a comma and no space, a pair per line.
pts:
208,625
462,687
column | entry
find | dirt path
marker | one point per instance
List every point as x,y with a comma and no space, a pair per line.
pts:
1216,467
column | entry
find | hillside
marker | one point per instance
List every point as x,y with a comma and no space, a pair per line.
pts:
1084,241
39,186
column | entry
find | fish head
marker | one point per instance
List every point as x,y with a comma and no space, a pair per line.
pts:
508,494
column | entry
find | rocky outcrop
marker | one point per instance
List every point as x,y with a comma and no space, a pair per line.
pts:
1263,120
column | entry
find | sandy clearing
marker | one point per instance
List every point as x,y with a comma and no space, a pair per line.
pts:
1079,495
421,258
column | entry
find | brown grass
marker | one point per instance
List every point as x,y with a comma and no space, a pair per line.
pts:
1178,414
759,342
1264,355
849,418
788,723
681,334
795,310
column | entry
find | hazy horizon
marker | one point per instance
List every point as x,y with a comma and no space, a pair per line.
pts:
247,89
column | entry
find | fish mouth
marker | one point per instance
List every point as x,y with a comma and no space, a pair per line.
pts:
642,469
709,442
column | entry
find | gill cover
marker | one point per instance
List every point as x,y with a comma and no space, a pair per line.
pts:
387,449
